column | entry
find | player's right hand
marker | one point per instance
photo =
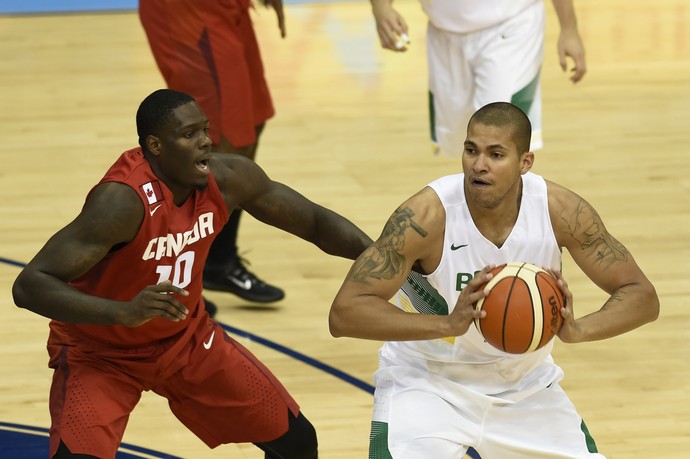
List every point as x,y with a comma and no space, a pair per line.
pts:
465,311
155,301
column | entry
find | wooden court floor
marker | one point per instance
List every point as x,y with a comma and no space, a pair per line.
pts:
351,134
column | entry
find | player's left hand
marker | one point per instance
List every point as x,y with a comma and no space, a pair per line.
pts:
569,329
570,45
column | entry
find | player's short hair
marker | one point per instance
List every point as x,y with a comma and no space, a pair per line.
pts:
504,114
156,110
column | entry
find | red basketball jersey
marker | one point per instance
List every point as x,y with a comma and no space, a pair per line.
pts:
172,244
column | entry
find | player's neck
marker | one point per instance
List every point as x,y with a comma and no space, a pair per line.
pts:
496,223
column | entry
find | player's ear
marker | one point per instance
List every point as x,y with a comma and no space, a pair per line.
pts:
153,144
526,161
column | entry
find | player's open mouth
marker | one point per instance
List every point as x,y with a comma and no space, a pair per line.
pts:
202,165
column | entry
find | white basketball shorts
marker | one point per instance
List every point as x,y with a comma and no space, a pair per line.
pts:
419,414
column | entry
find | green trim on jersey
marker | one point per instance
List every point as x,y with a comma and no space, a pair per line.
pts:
591,445
524,98
423,296
378,441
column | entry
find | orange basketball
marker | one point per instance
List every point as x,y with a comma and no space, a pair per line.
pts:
523,308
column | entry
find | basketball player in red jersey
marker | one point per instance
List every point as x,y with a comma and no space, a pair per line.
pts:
123,281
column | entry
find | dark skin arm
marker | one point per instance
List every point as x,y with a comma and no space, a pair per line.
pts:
245,185
111,216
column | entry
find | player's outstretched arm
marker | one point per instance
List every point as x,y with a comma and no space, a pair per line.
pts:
111,216
633,300
244,184
285,208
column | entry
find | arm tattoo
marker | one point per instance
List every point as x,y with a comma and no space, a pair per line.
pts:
586,227
384,259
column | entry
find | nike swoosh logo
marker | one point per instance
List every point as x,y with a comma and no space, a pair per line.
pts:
207,344
245,285
456,247
153,211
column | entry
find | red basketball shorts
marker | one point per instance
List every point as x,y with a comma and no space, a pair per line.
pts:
214,386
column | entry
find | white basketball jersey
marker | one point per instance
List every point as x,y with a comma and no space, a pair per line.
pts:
468,359
465,16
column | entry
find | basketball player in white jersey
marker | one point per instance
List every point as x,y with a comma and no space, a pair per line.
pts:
482,51
440,388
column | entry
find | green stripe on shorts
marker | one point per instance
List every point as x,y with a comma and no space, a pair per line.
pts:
432,117
591,445
524,98
378,441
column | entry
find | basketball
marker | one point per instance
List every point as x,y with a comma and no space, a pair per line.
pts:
523,308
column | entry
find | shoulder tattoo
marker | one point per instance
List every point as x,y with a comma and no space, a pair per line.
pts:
384,259
587,228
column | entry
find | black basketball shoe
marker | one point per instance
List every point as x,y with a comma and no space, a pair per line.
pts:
235,278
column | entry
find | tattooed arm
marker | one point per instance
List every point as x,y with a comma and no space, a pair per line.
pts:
633,300
412,236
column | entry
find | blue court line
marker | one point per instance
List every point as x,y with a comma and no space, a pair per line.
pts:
88,6
38,447
65,6
302,358
7,261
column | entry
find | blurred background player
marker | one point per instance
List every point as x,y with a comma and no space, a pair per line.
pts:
483,51
208,49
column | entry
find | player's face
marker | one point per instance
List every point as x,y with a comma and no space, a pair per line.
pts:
492,165
184,150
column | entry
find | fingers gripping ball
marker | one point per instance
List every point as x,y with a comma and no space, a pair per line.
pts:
523,308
